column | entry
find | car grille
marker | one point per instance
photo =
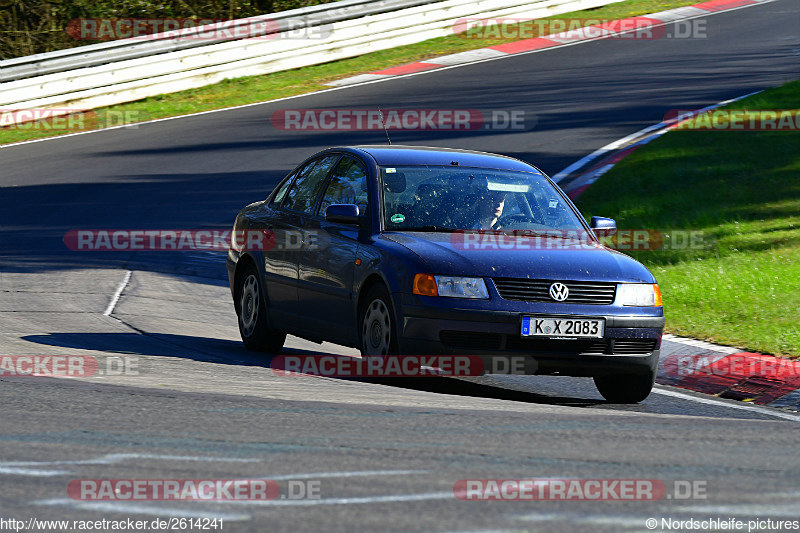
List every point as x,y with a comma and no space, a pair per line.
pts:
538,290
633,346
493,341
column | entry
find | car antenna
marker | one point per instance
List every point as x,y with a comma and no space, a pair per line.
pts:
384,125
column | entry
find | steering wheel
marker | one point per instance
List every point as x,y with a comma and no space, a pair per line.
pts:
516,218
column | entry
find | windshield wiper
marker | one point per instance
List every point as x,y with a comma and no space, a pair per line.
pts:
532,233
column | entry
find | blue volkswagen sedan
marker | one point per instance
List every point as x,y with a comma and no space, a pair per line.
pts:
414,250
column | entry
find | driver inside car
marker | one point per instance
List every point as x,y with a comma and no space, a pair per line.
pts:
490,208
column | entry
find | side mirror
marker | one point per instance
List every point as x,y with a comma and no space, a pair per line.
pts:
603,227
343,214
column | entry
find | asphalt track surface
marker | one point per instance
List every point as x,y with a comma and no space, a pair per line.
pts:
386,454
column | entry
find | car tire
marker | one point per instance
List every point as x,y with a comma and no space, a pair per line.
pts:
377,329
627,388
251,310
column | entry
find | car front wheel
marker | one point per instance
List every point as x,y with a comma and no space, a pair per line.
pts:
251,309
377,324
630,388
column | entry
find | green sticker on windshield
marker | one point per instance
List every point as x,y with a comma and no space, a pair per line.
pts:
398,218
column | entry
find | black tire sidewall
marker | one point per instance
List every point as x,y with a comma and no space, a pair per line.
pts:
263,338
625,389
375,292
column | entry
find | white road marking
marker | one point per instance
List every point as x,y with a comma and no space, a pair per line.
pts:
153,510
743,406
13,471
761,510
679,13
345,474
469,56
573,518
729,350
360,78
118,457
389,498
115,298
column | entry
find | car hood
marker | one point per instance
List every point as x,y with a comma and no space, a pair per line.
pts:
504,255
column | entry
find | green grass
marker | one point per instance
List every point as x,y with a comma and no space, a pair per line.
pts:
309,79
741,191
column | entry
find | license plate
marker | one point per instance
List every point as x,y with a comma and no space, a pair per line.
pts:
575,328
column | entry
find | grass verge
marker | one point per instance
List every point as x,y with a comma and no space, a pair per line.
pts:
308,79
740,283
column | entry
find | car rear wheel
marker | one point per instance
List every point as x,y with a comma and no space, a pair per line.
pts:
254,327
377,324
628,388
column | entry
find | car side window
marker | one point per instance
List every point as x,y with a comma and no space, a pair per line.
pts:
302,195
279,196
348,185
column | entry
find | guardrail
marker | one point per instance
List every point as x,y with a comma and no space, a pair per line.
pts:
118,50
131,69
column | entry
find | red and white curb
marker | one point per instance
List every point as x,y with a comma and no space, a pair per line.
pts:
579,176
729,373
554,40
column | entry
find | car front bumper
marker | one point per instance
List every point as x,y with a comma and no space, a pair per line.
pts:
631,343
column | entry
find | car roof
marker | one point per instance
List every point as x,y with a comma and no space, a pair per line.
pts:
399,155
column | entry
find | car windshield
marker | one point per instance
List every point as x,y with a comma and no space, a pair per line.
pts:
445,198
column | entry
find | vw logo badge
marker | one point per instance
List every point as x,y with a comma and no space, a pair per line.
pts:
559,292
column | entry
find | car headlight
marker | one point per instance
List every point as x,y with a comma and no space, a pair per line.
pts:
450,286
639,294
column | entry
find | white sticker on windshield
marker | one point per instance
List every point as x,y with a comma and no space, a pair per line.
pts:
553,204
391,170
507,187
